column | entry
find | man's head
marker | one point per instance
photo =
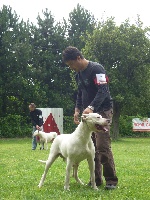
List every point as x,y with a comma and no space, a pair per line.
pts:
74,59
32,106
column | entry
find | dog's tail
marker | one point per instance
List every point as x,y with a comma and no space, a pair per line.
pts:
42,161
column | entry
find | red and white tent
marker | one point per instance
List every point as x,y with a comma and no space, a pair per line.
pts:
53,120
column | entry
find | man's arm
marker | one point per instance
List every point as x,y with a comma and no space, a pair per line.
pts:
78,106
101,82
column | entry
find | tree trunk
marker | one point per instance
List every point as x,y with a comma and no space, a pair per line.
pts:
115,122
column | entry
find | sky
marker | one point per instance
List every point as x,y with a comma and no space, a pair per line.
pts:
120,9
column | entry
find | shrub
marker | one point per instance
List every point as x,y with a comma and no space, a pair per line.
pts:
14,126
68,124
18,126
125,127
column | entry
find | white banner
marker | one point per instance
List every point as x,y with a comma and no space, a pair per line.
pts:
141,124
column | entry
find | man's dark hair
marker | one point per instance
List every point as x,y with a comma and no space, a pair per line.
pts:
71,53
32,105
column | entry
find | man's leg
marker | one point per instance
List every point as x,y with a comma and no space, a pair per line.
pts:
34,142
98,166
105,156
106,159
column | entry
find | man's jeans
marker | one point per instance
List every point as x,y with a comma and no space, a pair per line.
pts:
34,143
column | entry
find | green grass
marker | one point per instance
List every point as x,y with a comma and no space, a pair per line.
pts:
20,173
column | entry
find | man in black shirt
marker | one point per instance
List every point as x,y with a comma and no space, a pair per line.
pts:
37,122
94,96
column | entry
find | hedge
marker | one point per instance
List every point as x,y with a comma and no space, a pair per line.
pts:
68,124
125,127
13,126
17,126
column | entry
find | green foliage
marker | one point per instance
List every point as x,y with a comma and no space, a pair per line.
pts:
21,173
18,87
124,51
125,127
73,81
81,22
69,125
31,68
13,126
48,43
30,64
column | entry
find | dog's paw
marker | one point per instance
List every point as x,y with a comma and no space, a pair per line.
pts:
66,188
39,185
95,188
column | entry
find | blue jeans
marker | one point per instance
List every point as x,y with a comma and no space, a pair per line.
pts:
34,143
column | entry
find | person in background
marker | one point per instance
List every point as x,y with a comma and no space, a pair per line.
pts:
37,122
94,96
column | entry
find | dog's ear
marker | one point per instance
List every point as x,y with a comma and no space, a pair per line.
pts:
84,117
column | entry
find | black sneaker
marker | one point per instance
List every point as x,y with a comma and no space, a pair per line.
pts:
110,187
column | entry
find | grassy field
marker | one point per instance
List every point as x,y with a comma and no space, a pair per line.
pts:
20,173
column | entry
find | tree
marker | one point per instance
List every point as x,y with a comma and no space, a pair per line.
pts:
81,22
48,42
18,88
125,53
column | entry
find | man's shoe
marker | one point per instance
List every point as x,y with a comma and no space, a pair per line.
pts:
98,184
110,187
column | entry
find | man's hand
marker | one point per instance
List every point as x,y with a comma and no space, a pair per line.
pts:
87,111
76,117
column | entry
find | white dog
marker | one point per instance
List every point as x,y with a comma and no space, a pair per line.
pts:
77,147
45,137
